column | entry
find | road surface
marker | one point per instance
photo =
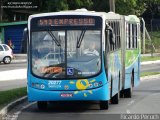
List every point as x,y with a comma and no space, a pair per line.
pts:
150,68
13,75
145,100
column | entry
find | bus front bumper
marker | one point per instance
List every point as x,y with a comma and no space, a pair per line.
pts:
98,94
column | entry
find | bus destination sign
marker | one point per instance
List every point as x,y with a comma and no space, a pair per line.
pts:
67,22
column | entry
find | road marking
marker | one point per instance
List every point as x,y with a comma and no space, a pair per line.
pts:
16,114
131,102
13,74
128,111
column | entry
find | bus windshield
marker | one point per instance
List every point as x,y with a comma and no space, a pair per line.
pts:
66,53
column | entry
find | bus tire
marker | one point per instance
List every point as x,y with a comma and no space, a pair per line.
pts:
121,93
42,105
115,99
128,92
104,105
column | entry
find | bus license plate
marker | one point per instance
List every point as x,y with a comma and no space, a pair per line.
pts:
66,95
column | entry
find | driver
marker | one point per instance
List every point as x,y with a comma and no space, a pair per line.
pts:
91,50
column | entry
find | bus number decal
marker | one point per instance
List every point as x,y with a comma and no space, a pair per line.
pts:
54,84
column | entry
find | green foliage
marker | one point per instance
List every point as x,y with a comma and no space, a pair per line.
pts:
76,4
150,58
10,95
56,5
125,7
152,7
149,74
155,37
100,5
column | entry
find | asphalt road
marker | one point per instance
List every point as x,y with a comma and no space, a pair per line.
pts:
150,68
145,100
13,66
7,69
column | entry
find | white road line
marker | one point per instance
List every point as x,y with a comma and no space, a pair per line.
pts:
16,114
131,102
13,74
128,111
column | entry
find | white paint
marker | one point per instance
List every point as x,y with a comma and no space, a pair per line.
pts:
150,78
16,114
13,74
150,62
128,111
131,102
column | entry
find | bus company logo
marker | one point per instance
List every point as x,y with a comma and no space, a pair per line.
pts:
66,95
70,71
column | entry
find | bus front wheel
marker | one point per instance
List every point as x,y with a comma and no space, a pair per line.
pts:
104,105
42,105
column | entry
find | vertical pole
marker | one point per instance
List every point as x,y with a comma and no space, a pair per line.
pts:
1,10
112,5
151,36
143,36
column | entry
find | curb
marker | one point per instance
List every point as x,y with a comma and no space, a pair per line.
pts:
150,77
19,61
150,62
11,105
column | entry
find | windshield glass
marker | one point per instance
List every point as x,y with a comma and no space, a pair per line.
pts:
66,59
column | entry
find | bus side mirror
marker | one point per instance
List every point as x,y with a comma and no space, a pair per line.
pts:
110,34
24,41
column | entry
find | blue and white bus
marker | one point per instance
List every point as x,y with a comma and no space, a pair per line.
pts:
82,55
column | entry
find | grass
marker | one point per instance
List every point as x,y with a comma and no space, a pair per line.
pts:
150,58
11,95
149,73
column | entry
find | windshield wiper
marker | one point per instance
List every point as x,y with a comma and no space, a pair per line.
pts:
79,41
54,38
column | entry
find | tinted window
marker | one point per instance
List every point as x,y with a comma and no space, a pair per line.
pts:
5,47
1,48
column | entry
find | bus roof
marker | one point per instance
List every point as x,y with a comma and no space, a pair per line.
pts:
132,19
83,11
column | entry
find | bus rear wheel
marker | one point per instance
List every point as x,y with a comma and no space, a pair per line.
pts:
104,105
115,99
128,92
42,105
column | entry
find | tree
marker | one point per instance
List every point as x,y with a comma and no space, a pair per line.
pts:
101,5
56,5
152,8
126,7
77,4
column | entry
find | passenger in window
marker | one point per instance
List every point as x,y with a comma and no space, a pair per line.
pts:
91,51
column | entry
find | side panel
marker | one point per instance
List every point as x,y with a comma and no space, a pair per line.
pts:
132,52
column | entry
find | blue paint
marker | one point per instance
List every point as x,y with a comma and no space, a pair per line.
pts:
15,33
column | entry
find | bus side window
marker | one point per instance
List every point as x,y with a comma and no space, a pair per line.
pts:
110,36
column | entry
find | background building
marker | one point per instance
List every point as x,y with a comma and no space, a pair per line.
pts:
14,31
